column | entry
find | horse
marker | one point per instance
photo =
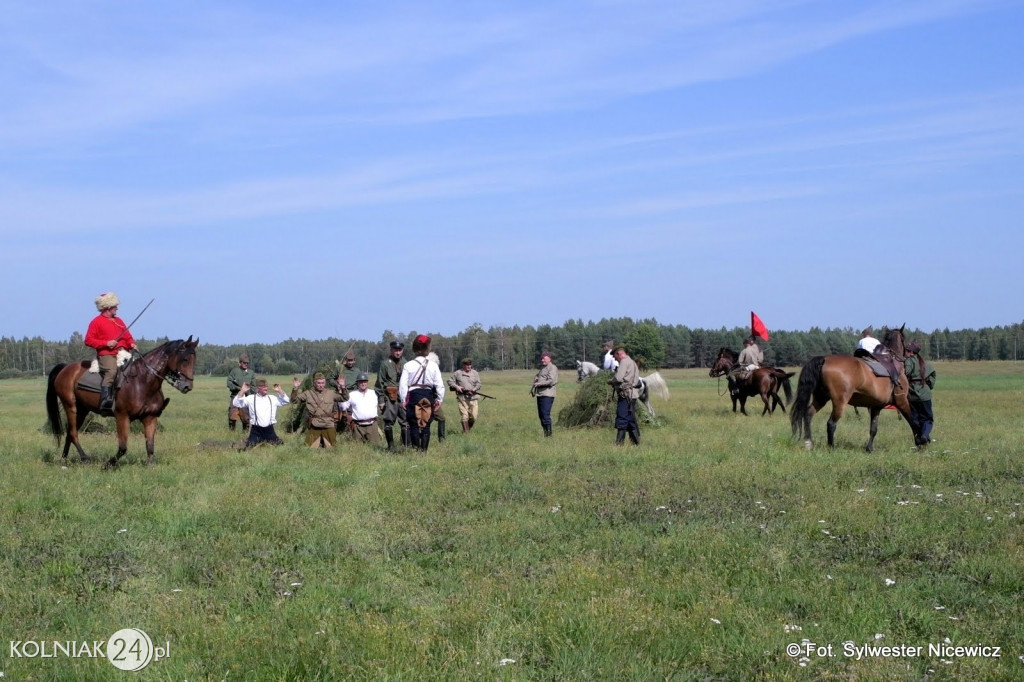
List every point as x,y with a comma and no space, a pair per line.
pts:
848,380
652,383
139,396
763,381
585,369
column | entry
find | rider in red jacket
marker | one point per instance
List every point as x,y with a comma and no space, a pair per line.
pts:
108,334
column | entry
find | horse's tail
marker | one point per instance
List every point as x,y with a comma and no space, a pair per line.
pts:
784,378
52,404
810,378
656,385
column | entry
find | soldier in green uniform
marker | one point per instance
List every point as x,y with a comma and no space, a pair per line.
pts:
921,377
236,378
391,409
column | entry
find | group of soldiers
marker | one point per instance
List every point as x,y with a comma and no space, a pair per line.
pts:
409,397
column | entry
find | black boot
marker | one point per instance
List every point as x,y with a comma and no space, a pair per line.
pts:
405,436
425,438
547,430
106,399
389,436
620,436
634,434
231,424
440,432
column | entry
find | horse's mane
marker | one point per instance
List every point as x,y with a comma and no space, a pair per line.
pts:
894,341
730,352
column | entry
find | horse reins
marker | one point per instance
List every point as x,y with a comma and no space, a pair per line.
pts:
170,376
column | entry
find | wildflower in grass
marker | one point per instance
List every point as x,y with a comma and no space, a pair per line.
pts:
940,608
889,582
792,628
123,530
716,621
878,636
557,508
506,661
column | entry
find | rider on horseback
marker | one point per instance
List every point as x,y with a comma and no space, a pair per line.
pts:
108,333
750,359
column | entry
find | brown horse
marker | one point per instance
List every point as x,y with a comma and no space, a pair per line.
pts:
139,397
764,381
848,380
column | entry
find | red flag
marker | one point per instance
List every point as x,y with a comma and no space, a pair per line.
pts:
757,327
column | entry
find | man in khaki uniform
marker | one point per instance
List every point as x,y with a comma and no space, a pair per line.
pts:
544,383
321,408
236,378
391,409
625,381
466,382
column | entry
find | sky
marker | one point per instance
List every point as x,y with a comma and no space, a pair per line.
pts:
265,171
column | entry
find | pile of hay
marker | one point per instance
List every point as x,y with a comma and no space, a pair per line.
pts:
593,405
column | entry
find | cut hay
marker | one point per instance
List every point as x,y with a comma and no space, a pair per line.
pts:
592,406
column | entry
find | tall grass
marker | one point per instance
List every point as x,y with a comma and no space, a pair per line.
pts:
504,555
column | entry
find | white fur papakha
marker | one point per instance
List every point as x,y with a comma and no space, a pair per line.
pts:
107,300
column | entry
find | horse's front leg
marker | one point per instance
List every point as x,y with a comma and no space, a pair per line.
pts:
123,426
874,411
149,427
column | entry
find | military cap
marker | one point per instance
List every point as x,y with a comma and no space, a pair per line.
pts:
244,357
319,375
913,347
362,377
261,382
397,345
467,361
350,354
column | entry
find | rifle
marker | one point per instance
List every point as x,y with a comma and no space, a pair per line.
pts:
483,395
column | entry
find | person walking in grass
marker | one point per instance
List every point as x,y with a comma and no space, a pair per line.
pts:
466,382
921,377
421,390
544,390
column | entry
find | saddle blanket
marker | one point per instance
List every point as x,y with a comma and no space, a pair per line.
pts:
876,367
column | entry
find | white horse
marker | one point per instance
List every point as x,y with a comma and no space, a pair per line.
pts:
585,369
652,383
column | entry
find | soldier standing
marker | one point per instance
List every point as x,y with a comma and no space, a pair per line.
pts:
237,377
544,383
388,376
624,382
466,382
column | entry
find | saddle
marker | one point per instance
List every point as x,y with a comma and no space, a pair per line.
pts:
882,363
90,381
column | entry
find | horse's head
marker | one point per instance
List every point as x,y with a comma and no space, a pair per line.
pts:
181,362
725,361
893,340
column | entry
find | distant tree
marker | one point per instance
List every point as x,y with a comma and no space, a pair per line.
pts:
645,345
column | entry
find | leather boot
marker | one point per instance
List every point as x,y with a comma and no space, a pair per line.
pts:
389,436
425,438
634,434
471,422
547,431
231,424
465,427
440,432
620,437
106,399
405,436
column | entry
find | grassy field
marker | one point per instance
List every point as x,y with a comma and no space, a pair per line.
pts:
705,554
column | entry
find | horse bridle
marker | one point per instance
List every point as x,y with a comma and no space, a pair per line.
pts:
175,378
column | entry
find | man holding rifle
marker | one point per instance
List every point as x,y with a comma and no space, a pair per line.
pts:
466,384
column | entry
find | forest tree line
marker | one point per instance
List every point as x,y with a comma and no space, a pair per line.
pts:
655,346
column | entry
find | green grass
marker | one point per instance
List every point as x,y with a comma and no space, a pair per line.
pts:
699,555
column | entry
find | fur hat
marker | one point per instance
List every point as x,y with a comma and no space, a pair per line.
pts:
107,300
421,344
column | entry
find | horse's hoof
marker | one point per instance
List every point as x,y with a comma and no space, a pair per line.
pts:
111,464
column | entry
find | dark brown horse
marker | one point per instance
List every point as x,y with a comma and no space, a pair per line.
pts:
139,397
764,381
847,380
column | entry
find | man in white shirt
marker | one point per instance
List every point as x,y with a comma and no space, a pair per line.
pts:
867,341
421,390
262,409
362,403
609,363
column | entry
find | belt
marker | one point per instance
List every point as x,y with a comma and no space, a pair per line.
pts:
366,423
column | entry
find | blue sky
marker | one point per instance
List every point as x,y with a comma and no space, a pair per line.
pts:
273,170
